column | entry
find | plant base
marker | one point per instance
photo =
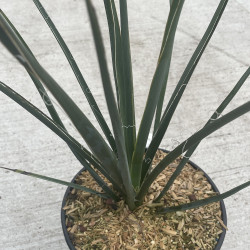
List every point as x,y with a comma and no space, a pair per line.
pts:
93,223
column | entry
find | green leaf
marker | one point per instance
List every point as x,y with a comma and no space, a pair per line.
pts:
81,159
153,96
92,137
112,107
187,144
162,94
115,42
122,73
79,150
57,119
47,101
96,177
215,116
69,184
79,76
177,94
206,201
129,126
49,105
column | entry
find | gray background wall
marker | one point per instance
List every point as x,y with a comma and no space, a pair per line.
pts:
30,208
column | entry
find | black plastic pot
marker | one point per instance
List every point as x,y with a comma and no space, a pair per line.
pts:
223,209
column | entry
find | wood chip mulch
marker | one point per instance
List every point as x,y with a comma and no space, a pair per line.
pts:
94,223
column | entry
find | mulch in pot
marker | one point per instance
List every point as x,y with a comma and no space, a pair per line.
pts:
95,223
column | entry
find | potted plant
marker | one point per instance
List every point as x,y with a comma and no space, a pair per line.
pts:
135,187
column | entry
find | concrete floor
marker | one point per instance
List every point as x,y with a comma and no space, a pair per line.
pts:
30,208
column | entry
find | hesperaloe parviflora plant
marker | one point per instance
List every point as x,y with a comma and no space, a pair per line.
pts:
122,156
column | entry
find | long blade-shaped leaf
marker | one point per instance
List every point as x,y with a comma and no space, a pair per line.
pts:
163,90
38,84
121,76
153,96
92,137
56,118
206,201
187,144
69,184
75,145
215,116
97,178
129,126
93,173
78,75
115,42
113,111
81,159
95,163
176,96
47,101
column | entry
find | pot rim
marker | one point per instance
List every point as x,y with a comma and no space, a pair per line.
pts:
222,205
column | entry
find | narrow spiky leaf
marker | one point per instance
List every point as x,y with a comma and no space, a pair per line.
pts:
115,42
49,105
206,201
112,107
187,144
81,159
90,134
163,90
85,88
75,145
214,116
43,93
69,184
181,86
129,125
122,73
153,96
